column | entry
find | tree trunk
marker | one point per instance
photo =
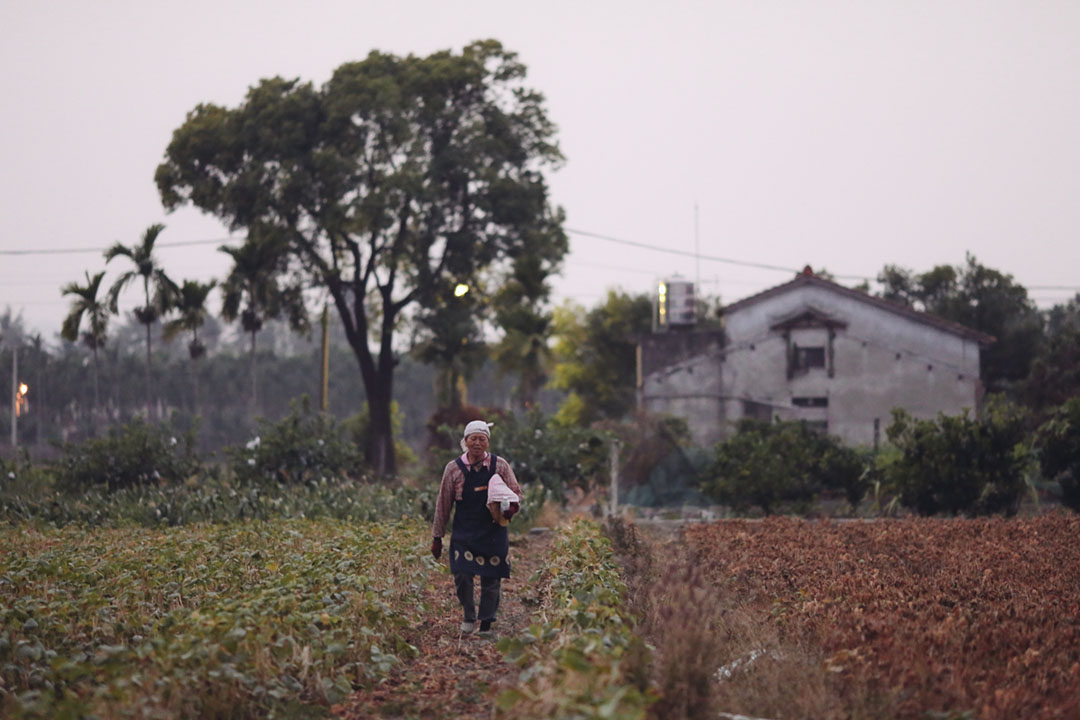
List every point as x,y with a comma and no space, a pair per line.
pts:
380,441
195,376
97,402
149,380
378,382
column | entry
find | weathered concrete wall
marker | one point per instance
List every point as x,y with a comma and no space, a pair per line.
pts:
881,360
682,377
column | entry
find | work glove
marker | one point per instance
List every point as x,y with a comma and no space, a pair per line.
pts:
436,548
511,511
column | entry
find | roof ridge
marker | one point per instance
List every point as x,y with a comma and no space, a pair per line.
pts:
922,316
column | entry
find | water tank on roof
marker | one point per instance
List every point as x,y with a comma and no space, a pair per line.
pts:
675,303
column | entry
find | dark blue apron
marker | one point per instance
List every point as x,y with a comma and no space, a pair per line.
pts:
478,544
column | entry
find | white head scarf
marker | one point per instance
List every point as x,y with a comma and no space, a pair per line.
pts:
476,426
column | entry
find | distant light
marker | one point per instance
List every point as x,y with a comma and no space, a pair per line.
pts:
461,289
23,388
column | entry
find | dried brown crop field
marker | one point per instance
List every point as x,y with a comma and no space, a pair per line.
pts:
962,617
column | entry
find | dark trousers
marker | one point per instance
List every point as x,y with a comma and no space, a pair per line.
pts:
490,591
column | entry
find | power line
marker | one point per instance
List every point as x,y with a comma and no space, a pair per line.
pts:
685,253
574,231
761,266
76,251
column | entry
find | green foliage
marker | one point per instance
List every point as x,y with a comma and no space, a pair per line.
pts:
134,455
401,175
956,464
585,660
520,311
304,446
1058,442
596,357
980,298
541,451
31,498
244,620
555,456
447,423
1055,373
769,464
86,303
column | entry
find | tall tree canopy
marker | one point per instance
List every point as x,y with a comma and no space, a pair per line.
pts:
982,299
1055,372
596,357
398,175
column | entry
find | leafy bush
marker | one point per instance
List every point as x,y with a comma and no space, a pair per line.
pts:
446,423
555,456
957,464
540,451
210,500
302,447
1059,451
769,464
135,455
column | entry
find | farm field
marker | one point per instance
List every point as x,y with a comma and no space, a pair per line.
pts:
302,618
241,620
913,618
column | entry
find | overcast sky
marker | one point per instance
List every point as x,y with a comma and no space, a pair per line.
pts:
846,135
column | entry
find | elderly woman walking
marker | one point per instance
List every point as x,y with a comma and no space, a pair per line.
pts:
479,543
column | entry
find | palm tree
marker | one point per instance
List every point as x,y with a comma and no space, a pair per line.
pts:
153,277
191,306
253,292
87,304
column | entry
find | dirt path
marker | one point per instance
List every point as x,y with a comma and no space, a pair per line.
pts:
455,675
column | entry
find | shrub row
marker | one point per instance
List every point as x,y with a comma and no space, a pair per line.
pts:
584,660
214,501
949,464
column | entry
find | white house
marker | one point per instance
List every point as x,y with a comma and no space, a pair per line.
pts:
816,351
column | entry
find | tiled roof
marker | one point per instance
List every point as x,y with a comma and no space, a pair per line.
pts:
804,279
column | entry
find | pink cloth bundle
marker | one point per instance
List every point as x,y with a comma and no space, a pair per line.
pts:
498,492
499,497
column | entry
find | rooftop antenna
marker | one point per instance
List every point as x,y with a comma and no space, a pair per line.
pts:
697,250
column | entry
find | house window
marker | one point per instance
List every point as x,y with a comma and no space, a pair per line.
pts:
821,426
809,357
757,411
810,402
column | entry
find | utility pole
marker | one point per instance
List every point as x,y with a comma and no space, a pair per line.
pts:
14,397
324,386
614,477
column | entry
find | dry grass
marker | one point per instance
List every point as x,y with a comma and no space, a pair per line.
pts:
718,653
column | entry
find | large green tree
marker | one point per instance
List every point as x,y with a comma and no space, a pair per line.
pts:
159,291
398,174
595,355
980,298
1055,372
86,303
